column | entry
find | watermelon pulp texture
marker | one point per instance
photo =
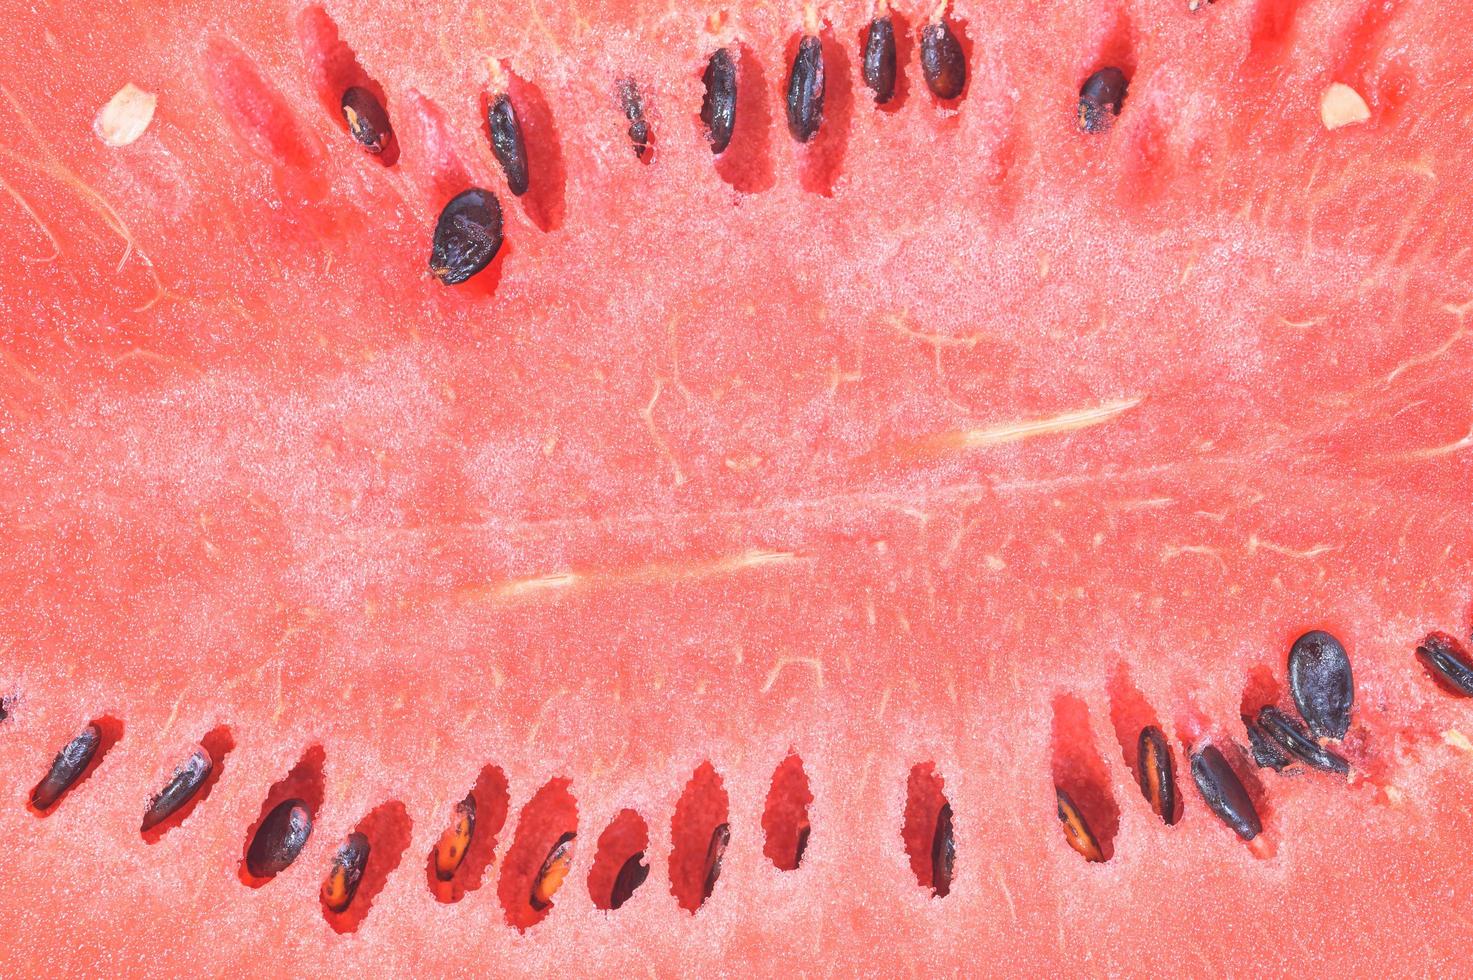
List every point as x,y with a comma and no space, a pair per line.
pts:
944,452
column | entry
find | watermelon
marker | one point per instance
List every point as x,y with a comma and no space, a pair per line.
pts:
774,543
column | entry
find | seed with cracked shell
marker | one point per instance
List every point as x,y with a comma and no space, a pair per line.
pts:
1292,739
451,848
553,872
1100,99
1155,772
1445,657
367,121
1076,828
346,873
507,143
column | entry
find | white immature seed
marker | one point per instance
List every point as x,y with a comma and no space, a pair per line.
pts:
126,115
1341,105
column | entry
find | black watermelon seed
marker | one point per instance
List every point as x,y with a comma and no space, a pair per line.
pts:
346,873
1100,99
633,105
1320,680
631,875
1447,660
1266,752
467,236
879,59
180,788
803,836
715,850
554,870
367,121
1155,773
718,108
1076,828
943,853
942,61
66,768
507,143
279,840
1224,793
455,842
805,90
1292,738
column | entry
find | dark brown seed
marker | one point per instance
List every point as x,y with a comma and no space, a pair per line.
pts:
455,842
1100,99
1266,752
879,59
630,876
943,853
805,90
715,850
1320,680
1224,793
507,143
942,61
467,236
718,108
554,870
1076,828
1447,660
279,840
1292,738
367,121
1156,774
66,768
180,788
803,834
345,874
633,105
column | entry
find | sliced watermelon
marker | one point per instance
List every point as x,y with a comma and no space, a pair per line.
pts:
941,454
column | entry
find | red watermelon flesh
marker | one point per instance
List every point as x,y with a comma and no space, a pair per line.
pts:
943,453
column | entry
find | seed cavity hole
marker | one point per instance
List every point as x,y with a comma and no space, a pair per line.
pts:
1082,780
275,840
362,863
263,121
1144,746
74,764
699,835
525,140
785,815
930,842
822,152
189,786
744,160
619,863
354,101
467,843
540,856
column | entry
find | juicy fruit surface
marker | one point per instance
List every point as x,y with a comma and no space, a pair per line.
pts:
954,436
